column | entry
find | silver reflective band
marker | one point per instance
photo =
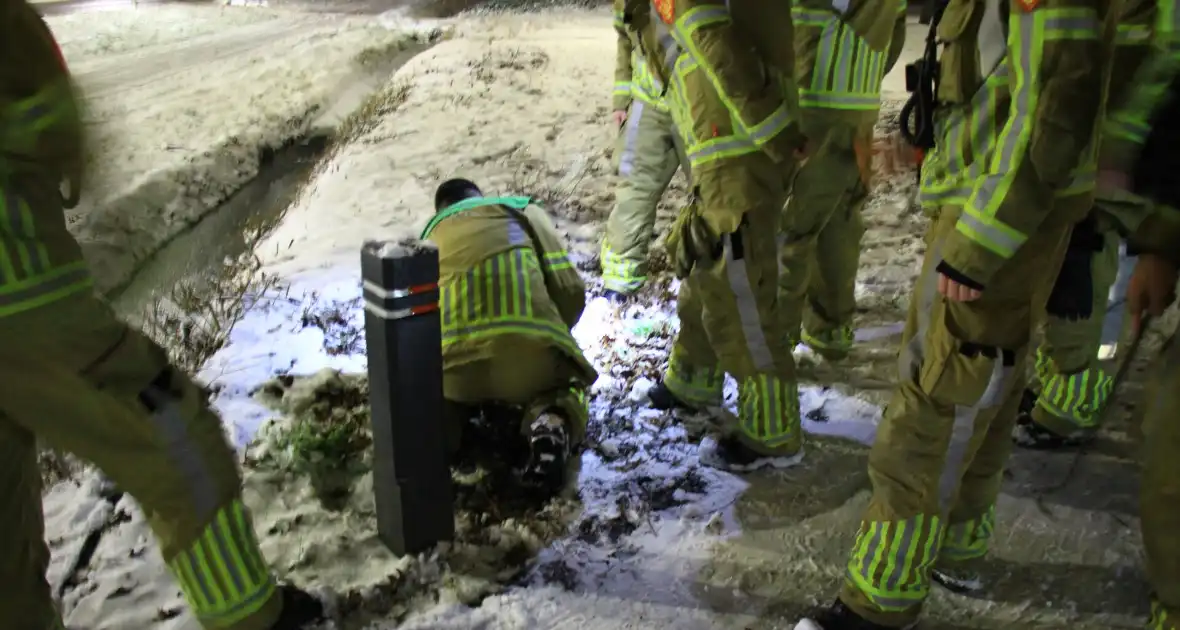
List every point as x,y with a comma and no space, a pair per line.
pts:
381,292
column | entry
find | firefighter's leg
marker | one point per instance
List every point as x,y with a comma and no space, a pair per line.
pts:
693,378
25,601
827,185
86,383
745,326
647,162
1159,509
1073,387
957,378
831,289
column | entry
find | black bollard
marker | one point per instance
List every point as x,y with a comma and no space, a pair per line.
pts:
403,337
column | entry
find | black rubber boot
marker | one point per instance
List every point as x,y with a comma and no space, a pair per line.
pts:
663,399
615,298
300,609
548,452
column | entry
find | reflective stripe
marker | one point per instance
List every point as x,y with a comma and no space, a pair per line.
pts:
978,221
769,409
747,308
1132,122
700,386
645,85
1133,35
891,561
847,73
1160,618
1076,398
23,121
622,88
222,573
619,273
630,138
969,540
496,297
754,134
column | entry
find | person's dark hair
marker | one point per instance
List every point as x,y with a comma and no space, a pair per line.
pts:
453,191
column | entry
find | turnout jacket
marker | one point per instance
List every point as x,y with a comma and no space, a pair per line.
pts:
500,286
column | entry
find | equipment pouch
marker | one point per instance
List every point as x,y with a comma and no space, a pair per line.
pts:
959,76
955,372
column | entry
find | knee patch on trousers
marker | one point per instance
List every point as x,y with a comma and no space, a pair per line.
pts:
965,374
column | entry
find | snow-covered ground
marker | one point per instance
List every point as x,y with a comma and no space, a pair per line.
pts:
652,540
181,101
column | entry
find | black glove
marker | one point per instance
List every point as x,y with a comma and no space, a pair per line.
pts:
1072,297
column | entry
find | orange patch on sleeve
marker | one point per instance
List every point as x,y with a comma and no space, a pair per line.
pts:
666,9
1028,5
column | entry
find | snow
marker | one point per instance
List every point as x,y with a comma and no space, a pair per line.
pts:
181,100
652,539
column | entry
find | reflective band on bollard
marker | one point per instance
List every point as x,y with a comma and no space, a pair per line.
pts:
403,337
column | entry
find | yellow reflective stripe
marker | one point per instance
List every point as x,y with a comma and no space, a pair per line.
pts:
768,409
891,560
619,273
45,289
969,539
558,260
759,132
1071,23
978,221
496,297
698,386
1160,618
622,88
545,329
847,73
1076,398
1132,35
222,572
1132,122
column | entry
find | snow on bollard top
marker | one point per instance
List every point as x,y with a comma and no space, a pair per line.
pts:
402,248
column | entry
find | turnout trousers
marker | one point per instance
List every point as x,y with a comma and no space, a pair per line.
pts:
647,160
730,316
823,228
77,377
1071,386
535,378
944,438
1159,509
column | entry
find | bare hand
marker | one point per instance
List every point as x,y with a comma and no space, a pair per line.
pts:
1151,289
956,292
619,116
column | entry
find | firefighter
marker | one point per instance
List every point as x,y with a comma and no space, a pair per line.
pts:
1151,290
1063,404
1022,85
647,157
84,382
1128,149
509,298
729,69
839,75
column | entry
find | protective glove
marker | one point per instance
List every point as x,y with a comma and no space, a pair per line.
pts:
691,241
1072,298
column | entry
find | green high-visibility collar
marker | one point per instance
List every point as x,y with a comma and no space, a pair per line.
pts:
519,203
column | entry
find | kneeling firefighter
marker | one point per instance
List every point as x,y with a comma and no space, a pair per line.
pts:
75,376
509,298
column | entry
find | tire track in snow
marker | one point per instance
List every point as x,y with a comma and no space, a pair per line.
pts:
139,68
